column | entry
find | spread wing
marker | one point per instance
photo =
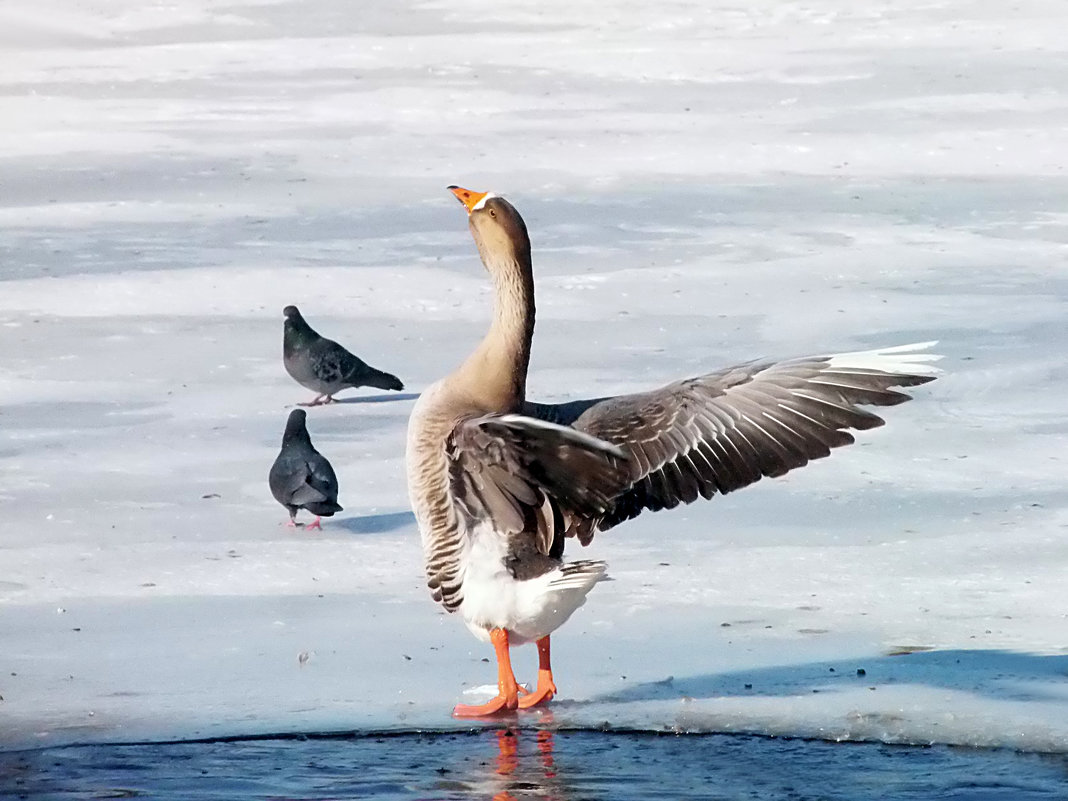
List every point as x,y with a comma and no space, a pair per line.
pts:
728,429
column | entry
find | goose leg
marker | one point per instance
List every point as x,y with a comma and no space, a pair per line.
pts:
507,689
545,689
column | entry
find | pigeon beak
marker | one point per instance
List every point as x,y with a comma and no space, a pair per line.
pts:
467,197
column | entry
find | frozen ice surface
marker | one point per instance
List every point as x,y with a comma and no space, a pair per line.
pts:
704,182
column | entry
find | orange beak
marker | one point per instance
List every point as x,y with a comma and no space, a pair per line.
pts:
467,197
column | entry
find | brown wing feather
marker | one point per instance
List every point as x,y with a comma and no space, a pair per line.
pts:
515,471
728,429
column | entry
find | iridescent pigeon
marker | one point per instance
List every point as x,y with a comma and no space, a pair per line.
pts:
300,477
322,365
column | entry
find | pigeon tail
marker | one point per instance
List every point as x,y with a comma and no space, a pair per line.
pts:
380,380
324,508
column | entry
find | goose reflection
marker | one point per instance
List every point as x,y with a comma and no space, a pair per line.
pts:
525,766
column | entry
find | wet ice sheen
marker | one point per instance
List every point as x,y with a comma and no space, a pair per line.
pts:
508,764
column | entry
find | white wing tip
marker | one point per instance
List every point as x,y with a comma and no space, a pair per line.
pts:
912,359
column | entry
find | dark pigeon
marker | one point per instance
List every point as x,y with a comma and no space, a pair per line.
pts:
322,365
301,478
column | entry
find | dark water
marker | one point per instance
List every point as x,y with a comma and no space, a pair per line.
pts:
512,764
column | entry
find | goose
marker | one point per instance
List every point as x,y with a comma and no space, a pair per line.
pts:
498,483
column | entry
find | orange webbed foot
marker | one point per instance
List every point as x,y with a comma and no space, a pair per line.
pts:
546,689
543,694
507,699
504,702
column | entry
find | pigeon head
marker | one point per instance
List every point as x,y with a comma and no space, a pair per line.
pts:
298,333
296,426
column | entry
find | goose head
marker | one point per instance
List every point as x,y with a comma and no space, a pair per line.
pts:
498,230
